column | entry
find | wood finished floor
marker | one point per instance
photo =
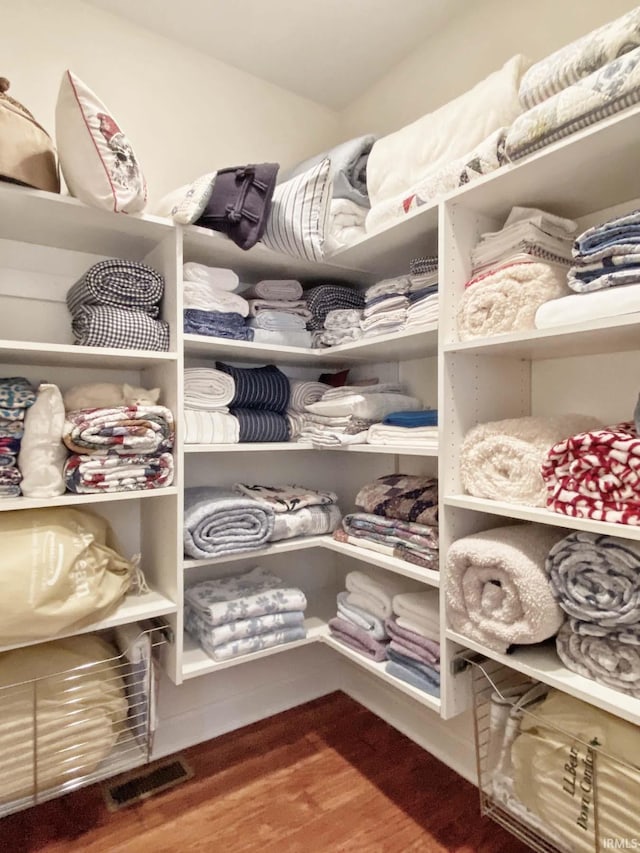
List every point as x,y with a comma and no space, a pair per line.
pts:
325,777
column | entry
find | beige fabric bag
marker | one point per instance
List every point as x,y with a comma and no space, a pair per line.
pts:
27,152
58,572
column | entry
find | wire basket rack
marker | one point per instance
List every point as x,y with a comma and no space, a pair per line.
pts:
79,725
588,798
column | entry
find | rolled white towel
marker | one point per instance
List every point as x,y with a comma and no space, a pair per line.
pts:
206,388
303,393
219,277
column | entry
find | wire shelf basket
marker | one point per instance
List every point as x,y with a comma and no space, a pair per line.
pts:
79,725
584,799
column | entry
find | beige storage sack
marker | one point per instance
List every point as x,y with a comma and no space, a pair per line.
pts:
76,712
58,572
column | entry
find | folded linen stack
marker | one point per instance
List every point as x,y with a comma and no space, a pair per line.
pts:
515,271
207,394
594,474
414,429
237,615
596,581
260,401
502,460
341,326
605,275
116,303
16,396
302,394
414,631
328,297
386,305
210,305
278,314
498,592
298,511
343,415
399,517
119,449
363,610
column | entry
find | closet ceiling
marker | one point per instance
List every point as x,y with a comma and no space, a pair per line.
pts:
330,51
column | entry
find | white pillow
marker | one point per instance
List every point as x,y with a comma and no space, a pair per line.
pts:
299,215
187,203
97,160
42,453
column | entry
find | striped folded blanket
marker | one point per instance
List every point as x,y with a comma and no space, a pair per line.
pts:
596,475
256,425
119,430
92,474
120,284
218,521
404,540
258,387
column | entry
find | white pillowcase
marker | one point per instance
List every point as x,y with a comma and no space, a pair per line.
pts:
299,216
98,163
42,453
187,203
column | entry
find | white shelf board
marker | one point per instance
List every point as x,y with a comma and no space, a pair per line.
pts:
69,499
300,543
391,564
50,219
134,608
321,607
395,450
213,248
543,664
249,447
542,516
388,252
554,177
417,343
610,334
67,355
379,669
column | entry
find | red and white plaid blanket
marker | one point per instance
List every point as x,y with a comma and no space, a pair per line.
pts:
596,475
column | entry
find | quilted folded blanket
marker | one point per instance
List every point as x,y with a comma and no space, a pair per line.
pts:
596,475
596,579
427,559
120,284
255,425
120,430
502,460
497,590
121,328
219,521
371,406
581,57
612,88
308,521
403,497
16,395
391,531
357,638
602,659
432,672
206,388
418,613
97,473
258,387
287,499
506,299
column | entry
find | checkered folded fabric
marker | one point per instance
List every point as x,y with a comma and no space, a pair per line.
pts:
329,297
122,328
422,266
120,284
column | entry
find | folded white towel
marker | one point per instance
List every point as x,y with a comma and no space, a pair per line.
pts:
298,307
206,297
374,591
421,610
277,321
275,288
583,307
210,427
206,388
397,435
385,306
371,407
219,277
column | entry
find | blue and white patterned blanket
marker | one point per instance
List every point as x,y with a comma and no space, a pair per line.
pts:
219,521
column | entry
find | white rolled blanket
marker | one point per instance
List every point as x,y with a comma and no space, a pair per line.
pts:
497,590
210,427
303,393
506,299
501,460
206,388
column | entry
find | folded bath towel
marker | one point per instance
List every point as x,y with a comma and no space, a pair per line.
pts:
220,277
374,591
357,638
502,460
210,427
219,521
207,389
255,425
419,612
421,418
401,496
413,677
596,578
271,320
497,590
258,387
506,299
278,289
603,659
362,618
413,645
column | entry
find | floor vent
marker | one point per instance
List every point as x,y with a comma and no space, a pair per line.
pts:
145,782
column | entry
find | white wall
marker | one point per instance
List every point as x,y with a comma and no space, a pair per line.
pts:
475,42
185,113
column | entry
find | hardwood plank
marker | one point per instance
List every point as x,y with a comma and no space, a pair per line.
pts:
325,777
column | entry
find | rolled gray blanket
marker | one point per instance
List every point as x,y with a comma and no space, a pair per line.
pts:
596,579
219,521
602,659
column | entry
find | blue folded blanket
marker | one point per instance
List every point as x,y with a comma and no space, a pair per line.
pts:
258,388
412,677
423,669
426,417
216,324
219,521
257,425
